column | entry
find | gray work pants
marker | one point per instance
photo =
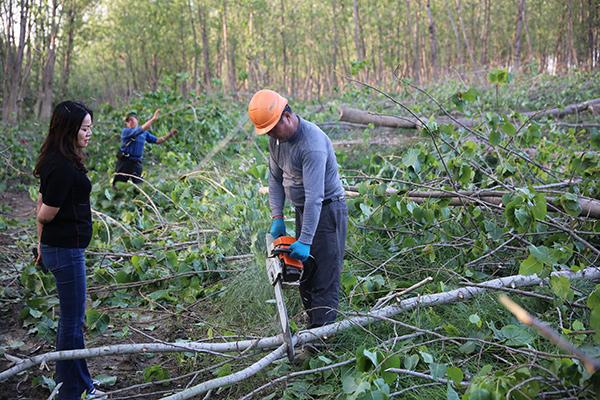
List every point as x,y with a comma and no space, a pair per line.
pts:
320,284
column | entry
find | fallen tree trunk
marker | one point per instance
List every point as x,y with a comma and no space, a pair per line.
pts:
306,336
591,105
590,208
356,116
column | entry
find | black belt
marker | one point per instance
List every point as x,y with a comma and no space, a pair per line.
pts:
332,199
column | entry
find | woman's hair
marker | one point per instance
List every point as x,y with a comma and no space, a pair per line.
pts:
62,134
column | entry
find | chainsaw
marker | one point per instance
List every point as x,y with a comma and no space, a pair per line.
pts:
283,270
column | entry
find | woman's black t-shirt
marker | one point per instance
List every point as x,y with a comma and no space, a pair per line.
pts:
65,186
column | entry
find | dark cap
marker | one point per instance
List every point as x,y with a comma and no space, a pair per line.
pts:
130,114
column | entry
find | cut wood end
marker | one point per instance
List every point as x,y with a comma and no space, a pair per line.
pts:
518,311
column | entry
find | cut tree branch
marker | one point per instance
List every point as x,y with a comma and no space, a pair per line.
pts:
451,296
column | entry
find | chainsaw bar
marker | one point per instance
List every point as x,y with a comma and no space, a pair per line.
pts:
275,274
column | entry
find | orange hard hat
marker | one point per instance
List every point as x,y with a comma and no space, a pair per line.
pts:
265,109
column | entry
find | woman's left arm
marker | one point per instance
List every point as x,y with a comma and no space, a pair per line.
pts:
45,213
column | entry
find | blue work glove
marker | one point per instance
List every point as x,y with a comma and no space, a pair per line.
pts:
277,228
300,251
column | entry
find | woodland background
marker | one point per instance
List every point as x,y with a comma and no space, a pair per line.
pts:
467,135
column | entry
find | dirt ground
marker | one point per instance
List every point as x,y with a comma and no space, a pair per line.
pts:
17,208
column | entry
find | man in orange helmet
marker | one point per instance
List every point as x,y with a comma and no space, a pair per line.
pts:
303,168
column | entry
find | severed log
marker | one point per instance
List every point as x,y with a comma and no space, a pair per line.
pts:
305,336
591,105
357,116
590,208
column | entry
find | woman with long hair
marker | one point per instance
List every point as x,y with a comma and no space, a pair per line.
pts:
64,225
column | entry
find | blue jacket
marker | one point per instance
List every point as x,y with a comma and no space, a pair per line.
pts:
133,145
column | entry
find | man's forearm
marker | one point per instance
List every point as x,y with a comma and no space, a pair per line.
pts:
148,124
163,139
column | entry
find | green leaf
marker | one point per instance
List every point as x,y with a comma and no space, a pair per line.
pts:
223,370
570,203
411,362
539,208
171,257
561,286
595,323
135,261
372,356
595,140
468,347
411,159
508,128
522,216
138,242
456,375
349,384
516,335
530,266
438,370
363,364
96,321
428,358
451,393
495,137
392,361
475,320
470,95
593,300
155,372
105,380
543,254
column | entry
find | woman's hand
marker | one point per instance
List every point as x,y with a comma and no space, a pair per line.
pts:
38,260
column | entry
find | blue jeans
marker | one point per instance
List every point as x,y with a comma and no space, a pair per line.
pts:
68,267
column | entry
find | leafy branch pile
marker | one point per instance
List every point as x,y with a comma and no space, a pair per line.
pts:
181,259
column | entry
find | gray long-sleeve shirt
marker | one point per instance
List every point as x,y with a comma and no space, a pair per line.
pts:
303,169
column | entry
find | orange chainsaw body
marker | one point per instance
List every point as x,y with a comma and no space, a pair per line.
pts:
292,268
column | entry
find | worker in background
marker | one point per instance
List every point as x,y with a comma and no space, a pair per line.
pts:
303,168
131,152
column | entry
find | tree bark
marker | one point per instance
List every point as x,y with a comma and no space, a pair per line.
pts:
358,36
196,72
353,115
47,88
590,208
486,32
68,52
13,64
591,41
467,42
336,42
432,41
205,46
571,50
417,46
284,55
458,49
228,49
518,34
